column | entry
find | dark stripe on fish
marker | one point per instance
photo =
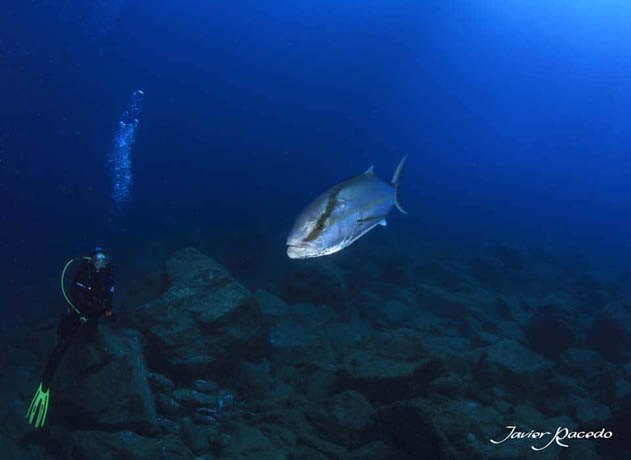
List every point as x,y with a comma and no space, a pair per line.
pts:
330,206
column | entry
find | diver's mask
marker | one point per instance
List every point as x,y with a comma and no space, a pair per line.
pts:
99,259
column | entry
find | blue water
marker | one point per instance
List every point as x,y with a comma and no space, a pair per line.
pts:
515,117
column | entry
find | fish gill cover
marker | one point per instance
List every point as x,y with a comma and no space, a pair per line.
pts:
490,321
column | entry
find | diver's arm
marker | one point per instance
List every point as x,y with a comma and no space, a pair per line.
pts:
79,290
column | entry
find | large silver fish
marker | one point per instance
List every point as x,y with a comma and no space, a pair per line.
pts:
343,214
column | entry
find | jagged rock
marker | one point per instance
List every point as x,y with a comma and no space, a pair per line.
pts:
377,450
160,382
345,418
445,274
551,331
197,437
320,384
527,414
192,398
404,344
168,426
515,448
386,379
578,361
104,384
313,313
301,336
394,314
317,281
450,385
389,366
622,388
204,319
270,304
303,452
293,333
15,411
169,406
249,443
207,386
464,423
325,447
443,303
205,416
593,415
100,445
502,406
11,450
469,426
255,378
343,334
610,333
508,363
620,424
394,272
581,450
503,309
409,429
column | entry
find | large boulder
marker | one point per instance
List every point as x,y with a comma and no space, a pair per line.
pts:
100,445
346,418
13,451
249,443
551,331
270,304
610,333
316,281
409,428
508,364
578,361
104,384
205,318
389,367
301,336
453,305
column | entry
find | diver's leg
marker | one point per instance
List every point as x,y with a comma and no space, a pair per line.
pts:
38,409
66,330
89,329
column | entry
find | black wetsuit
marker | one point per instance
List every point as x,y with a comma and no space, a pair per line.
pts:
91,293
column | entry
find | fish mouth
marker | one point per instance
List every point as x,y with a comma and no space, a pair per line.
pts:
301,251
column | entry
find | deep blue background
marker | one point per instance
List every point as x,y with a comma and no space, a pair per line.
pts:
515,115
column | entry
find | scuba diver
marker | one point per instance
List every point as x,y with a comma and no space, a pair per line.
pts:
91,296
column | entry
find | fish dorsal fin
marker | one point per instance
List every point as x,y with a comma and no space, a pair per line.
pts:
370,171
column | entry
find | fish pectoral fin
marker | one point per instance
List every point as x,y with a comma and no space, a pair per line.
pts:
378,220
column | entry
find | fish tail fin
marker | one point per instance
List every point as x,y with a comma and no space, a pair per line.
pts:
395,183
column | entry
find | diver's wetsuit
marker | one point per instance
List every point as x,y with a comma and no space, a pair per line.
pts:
91,293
